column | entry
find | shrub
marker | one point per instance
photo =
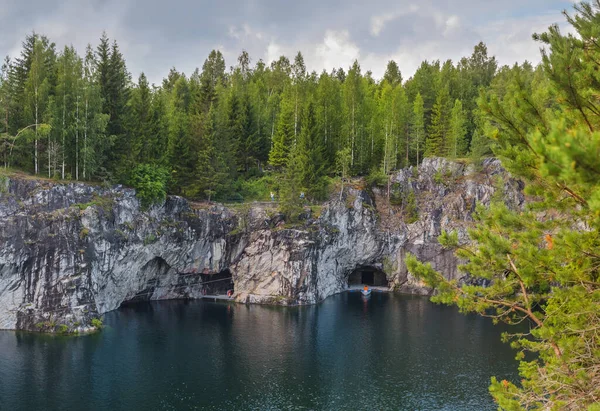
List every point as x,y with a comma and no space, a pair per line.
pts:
97,323
3,184
150,183
377,177
84,233
151,238
259,188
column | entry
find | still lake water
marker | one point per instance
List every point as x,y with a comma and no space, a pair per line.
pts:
392,352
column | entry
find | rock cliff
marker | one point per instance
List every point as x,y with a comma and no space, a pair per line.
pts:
71,252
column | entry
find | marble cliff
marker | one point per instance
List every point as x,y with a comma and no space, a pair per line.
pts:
71,252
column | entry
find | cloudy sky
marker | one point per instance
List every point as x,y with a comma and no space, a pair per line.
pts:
155,35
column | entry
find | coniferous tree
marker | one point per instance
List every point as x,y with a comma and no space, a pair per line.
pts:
180,149
437,138
458,132
95,143
211,167
310,155
544,129
139,126
283,140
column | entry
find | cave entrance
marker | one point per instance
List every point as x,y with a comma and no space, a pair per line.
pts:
217,284
367,275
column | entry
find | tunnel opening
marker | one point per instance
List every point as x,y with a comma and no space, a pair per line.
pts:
367,275
218,284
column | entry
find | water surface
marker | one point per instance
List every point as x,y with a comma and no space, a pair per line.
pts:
390,352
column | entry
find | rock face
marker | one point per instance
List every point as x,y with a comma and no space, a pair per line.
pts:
71,252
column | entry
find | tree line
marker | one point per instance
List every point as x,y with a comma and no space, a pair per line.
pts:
213,133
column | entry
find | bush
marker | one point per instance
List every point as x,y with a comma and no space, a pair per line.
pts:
259,188
97,323
150,183
84,233
377,177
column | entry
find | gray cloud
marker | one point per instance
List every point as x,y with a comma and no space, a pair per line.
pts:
155,35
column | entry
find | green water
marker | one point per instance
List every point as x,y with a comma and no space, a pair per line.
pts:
390,352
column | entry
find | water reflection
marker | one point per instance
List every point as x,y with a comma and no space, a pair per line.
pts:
388,352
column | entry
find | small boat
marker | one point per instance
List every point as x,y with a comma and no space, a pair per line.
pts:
366,292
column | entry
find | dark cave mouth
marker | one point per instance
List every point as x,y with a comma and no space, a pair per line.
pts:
367,275
191,284
218,284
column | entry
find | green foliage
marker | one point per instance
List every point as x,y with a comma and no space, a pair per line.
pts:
149,239
543,271
260,189
81,117
150,183
439,130
97,323
3,184
105,203
457,144
377,177
84,233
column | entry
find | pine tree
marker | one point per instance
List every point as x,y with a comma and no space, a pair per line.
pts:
181,152
283,140
211,169
139,128
159,128
113,80
95,142
540,270
437,138
310,155
213,73
458,132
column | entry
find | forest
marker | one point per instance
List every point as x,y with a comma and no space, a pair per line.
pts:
234,134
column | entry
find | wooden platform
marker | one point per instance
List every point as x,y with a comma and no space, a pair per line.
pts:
216,298
373,288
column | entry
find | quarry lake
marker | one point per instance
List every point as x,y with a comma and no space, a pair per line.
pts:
389,352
